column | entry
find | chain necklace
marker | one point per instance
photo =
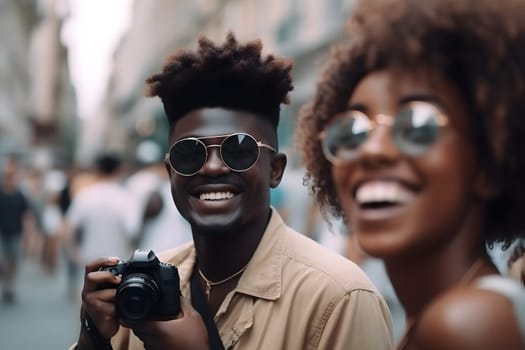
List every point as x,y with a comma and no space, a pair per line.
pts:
210,284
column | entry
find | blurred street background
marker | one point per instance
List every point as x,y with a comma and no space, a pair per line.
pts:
72,85
44,316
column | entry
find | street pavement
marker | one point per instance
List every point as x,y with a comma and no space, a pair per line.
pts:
43,317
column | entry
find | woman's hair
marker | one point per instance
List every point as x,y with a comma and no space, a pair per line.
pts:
229,76
477,45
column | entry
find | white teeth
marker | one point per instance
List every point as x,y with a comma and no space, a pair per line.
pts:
215,196
383,191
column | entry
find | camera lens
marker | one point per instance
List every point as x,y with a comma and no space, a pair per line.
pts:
136,297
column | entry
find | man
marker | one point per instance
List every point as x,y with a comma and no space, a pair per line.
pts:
265,286
15,215
103,214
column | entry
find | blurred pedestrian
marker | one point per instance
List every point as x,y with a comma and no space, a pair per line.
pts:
32,186
51,227
15,215
162,225
65,197
103,213
415,136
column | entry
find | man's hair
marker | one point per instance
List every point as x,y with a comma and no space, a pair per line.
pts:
231,76
108,163
477,45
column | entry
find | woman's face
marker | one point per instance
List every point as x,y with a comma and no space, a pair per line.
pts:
399,203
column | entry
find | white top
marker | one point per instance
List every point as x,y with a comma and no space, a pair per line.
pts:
109,219
512,290
168,229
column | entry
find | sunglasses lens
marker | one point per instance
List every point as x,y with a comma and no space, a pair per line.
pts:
416,129
239,151
187,156
344,136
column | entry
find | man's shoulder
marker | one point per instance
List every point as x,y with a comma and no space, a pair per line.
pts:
309,257
176,255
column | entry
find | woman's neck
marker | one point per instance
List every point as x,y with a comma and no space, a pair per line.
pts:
440,264
420,281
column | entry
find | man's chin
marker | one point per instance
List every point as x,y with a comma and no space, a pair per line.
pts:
214,225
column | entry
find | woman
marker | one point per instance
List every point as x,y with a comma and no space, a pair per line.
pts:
416,137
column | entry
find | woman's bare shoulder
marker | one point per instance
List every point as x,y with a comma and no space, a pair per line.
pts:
469,318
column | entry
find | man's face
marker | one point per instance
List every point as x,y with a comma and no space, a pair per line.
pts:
217,199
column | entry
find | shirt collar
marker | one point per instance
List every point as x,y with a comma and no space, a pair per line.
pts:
262,277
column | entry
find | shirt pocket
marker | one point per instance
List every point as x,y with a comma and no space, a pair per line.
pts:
239,320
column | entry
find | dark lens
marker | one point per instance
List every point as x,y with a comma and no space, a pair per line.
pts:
344,136
187,156
136,297
239,152
416,129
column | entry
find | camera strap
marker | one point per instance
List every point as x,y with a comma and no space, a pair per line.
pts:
200,303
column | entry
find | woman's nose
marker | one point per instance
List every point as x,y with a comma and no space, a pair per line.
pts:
379,146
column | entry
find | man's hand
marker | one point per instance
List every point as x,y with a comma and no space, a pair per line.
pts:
99,304
186,332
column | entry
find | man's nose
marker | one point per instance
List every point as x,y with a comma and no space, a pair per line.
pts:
214,165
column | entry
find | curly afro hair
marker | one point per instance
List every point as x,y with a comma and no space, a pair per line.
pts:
229,76
478,45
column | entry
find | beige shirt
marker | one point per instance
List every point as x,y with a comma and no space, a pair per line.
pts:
294,294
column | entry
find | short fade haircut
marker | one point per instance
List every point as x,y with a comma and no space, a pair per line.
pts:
478,45
230,76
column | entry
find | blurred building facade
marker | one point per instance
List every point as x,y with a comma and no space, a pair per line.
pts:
301,30
37,100
17,20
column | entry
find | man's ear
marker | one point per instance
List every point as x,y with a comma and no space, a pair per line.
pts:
279,161
168,167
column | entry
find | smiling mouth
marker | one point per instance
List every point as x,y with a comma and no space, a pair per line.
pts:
383,194
216,196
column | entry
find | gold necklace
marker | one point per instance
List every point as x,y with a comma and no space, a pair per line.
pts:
210,284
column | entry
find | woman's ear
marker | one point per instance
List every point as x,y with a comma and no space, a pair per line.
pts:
486,185
279,161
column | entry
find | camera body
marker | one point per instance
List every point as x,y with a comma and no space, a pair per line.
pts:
149,289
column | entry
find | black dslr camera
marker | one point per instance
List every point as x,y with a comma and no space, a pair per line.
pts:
149,289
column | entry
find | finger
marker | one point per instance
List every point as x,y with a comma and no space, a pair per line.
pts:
103,277
97,264
104,317
105,295
100,280
99,302
93,278
100,310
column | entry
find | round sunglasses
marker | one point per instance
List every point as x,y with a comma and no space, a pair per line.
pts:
238,151
415,128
